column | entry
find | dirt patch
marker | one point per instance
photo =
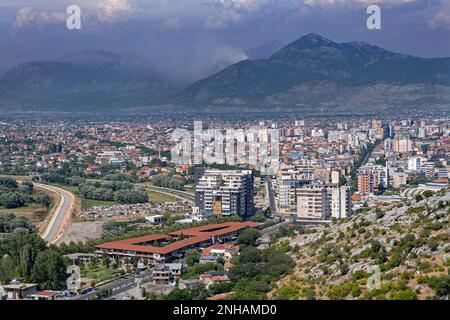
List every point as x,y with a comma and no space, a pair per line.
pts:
82,231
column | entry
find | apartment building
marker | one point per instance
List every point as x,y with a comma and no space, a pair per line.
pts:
225,193
414,163
402,145
323,202
371,177
313,202
340,202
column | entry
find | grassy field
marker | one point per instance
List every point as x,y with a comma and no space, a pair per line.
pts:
157,197
35,212
72,189
99,273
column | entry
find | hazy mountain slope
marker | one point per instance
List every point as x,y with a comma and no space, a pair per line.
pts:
408,242
265,50
314,61
87,80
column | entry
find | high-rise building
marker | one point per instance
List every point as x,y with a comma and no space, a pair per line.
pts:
288,183
287,194
422,133
414,164
225,193
399,179
323,202
403,145
368,182
335,177
340,202
312,202
364,183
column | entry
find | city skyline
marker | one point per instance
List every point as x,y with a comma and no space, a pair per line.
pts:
243,150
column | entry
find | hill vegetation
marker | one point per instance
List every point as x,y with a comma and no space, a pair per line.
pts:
407,243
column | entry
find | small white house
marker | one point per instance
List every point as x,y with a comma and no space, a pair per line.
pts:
156,219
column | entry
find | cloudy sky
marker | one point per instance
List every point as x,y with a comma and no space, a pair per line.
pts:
190,37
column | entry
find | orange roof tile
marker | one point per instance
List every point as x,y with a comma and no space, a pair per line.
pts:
194,236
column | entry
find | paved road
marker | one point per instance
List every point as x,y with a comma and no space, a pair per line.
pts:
275,227
61,215
271,197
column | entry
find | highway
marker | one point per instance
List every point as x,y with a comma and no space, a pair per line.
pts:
61,215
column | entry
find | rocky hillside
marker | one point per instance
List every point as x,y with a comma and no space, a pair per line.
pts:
408,242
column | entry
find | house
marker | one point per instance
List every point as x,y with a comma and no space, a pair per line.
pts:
156,219
228,266
212,277
208,259
81,258
46,295
175,268
221,250
18,291
167,273
188,283
162,275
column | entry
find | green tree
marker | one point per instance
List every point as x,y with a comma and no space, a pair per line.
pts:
404,295
248,237
6,269
427,193
49,269
12,200
192,257
26,260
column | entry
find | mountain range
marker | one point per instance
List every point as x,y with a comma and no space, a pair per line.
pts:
317,71
88,80
311,72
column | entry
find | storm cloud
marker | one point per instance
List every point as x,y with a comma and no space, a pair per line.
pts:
192,38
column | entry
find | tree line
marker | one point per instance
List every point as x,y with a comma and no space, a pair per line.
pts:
24,254
120,191
164,181
14,195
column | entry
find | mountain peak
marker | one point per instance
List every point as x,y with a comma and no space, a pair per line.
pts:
315,36
308,42
314,39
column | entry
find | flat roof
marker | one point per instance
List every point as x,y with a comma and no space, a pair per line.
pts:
194,236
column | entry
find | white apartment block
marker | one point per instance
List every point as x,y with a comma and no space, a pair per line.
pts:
312,203
340,202
323,202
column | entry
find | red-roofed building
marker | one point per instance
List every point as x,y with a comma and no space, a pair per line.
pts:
46,295
164,248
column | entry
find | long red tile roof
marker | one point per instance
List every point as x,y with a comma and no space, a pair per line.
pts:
194,236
